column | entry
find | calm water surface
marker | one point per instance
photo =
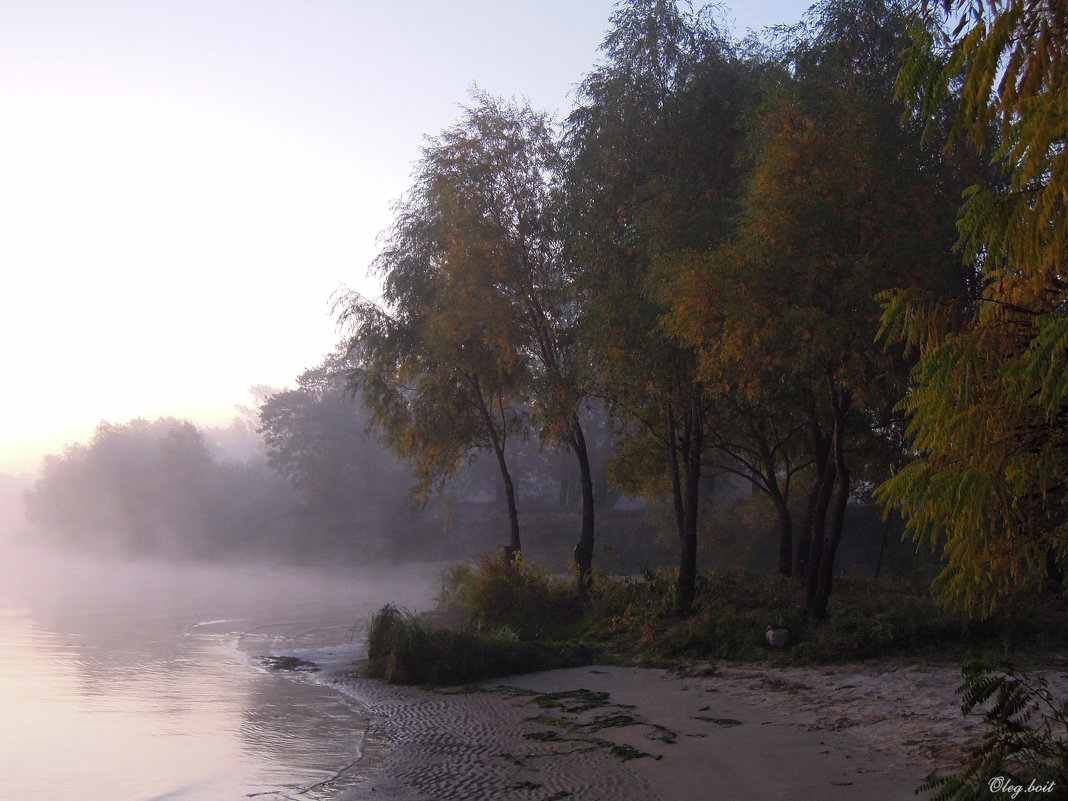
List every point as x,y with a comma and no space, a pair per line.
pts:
142,682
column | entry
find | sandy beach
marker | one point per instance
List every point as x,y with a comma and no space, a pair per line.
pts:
873,731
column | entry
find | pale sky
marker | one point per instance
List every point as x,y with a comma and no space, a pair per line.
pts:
184,184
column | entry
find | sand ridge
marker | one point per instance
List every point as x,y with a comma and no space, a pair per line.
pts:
872,731
483,744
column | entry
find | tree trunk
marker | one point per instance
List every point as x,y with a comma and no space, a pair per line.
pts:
563,491
818,605
820,457
840,402
509,494
497,441
693,444
818,532
786,536
1053,581
882,546
804,537
782,507
676,480
584,549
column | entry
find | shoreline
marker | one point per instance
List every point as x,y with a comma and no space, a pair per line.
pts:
605,733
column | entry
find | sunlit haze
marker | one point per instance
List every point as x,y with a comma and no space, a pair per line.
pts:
185,184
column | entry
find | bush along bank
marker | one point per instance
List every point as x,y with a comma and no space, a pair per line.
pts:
497,616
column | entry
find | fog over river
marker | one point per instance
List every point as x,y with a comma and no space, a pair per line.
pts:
139,681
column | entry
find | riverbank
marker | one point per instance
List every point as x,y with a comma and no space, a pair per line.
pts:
872,731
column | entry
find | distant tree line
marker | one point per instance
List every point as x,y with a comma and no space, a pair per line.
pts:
299,478
156,488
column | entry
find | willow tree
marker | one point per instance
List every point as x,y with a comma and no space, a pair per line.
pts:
500,172
652,147
479,309
989,406
440,360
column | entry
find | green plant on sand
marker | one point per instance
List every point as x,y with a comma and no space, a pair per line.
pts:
405,648
499,590
1025,745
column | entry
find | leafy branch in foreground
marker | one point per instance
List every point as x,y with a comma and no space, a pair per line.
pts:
1025,743
989,405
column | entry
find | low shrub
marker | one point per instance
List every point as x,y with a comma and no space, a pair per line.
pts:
404,648
633,619
498,591
497,617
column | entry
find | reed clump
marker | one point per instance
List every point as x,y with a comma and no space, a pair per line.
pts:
495,617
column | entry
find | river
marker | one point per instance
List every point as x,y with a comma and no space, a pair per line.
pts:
138,681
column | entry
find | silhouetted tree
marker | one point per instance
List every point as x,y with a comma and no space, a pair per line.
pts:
317,437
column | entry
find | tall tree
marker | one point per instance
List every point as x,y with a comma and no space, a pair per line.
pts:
439,389
478,314
652,176
989,403
841,203
501,169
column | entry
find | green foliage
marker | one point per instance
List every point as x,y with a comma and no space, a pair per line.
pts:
511,618
404,648
632,620
318,439
1025,744
496,592
653,177
782,312
987,410
494,617
449,360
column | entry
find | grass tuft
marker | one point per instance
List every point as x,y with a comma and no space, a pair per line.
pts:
404,648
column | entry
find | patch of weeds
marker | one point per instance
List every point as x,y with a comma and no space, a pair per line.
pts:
512,758
554,722
572,702
663,734
504,590
545,737
467,689
575,702
509,692
613,721
526,785
290,663
404,648
558,795
609,722
626,752
724,722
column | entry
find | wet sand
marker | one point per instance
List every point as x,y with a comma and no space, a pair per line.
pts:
631,734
